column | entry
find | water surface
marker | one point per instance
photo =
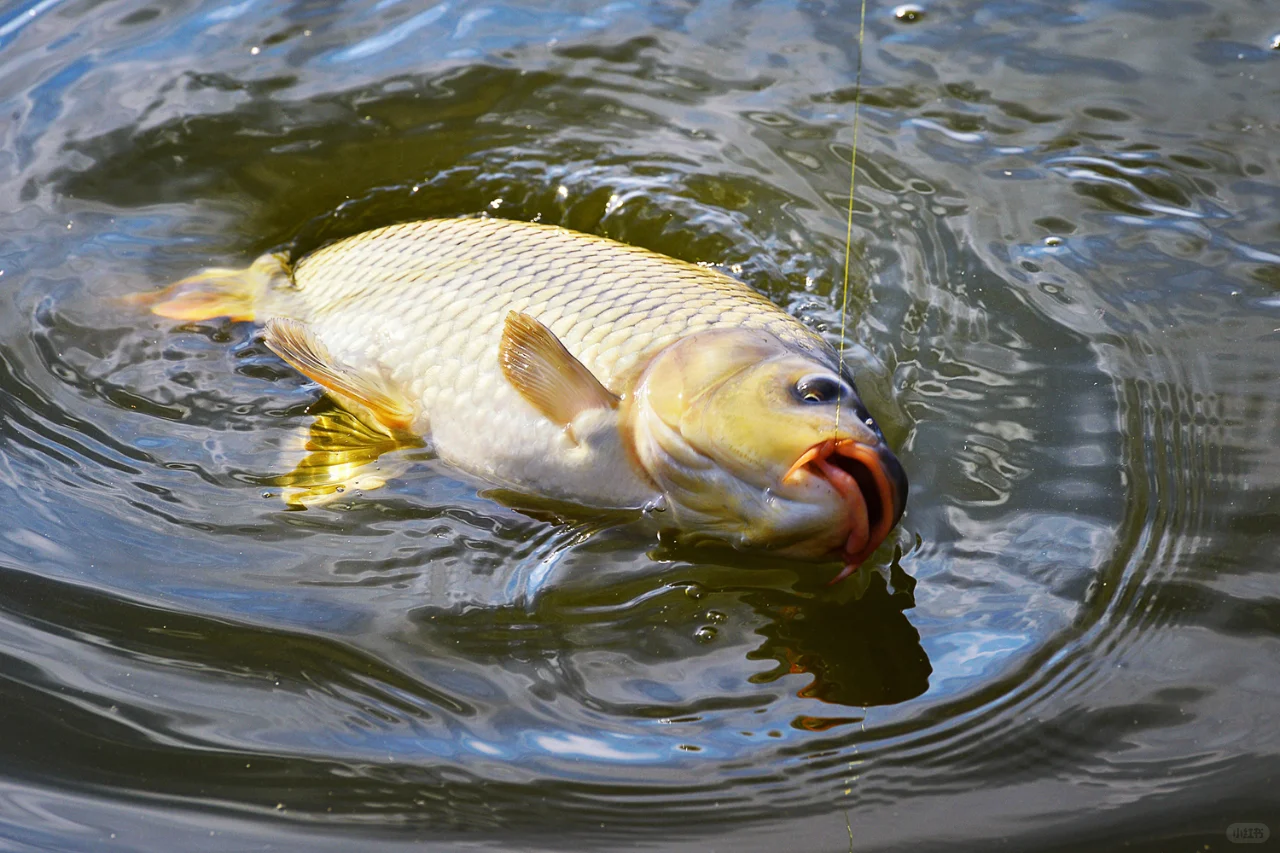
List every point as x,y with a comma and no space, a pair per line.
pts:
1064,310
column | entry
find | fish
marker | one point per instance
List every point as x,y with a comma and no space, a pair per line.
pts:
580,369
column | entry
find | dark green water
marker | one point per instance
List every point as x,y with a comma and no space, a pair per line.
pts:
1066,315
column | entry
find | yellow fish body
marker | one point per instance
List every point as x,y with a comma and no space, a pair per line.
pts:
575,367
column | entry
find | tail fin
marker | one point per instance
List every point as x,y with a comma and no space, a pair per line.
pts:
217,292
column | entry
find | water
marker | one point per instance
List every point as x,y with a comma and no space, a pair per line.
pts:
1065,313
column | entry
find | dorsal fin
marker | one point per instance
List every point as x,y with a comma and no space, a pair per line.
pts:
546,374
297,344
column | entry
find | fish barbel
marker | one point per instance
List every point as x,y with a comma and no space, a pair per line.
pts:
582,369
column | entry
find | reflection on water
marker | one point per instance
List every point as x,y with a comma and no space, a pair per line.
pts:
1065,316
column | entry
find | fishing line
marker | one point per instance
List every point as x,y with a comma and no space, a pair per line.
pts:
853,182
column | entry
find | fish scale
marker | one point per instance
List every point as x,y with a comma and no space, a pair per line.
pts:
424,303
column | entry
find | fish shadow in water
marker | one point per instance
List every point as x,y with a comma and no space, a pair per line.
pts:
860,652
854,638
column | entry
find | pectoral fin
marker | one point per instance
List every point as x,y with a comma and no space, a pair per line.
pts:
546,374
297,344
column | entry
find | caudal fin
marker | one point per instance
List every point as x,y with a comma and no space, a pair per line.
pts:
217,292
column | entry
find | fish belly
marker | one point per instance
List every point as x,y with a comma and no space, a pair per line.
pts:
422,304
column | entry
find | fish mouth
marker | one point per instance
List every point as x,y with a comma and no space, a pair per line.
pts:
870,481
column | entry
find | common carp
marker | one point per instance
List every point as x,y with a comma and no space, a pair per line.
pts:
578,368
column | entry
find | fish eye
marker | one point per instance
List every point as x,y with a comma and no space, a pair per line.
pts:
820,388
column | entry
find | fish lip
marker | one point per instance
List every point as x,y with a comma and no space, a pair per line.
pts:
871,483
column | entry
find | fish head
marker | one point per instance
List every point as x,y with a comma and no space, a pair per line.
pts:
763,445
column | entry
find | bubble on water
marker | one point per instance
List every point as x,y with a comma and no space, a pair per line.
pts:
694,591
1053,241
716,616
267,495
1275,42
909,13
705,634
658,504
